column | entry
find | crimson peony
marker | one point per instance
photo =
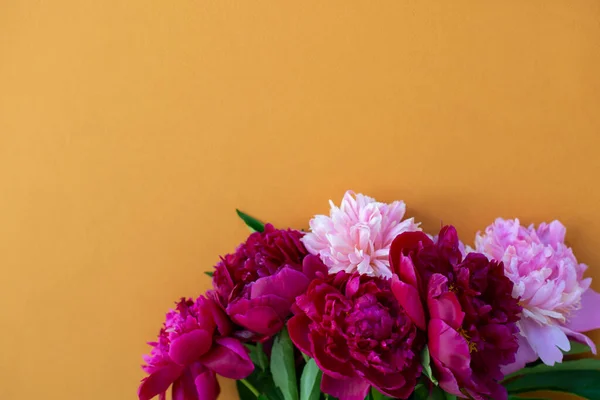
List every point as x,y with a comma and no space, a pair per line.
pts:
466,306
258,284
359,335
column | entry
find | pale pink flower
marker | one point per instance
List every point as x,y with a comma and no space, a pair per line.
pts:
557,301
356,237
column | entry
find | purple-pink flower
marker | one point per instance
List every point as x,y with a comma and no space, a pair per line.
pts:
359,336
193,346
557,300
466,307
258,284
356,237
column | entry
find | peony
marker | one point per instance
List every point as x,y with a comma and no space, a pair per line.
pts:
466,307
192,348
258,284
356,237
557,301
359,336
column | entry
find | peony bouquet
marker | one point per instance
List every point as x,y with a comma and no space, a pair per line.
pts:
368,306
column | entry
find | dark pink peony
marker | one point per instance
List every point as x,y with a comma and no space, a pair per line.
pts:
192,348
359,335
466,306
258,284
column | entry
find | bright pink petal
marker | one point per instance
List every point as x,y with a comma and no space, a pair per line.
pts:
345,389
588,316
159,381
184,387
445,378
190,346
229,358
409,299
260,315
206,384
286,284
443,304
451,349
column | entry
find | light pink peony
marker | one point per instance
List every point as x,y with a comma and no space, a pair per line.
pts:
357,236
557,301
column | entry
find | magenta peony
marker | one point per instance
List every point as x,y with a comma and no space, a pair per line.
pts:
192,348
557,301
466,307
356,237
258,284
359,336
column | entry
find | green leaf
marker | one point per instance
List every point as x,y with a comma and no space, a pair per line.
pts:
426,362
252,223
437,393
583,383
376,395
310,382
306,358
283,366
262,397
244,392
573,365
258,356
577,348
524,398
209,273
421,392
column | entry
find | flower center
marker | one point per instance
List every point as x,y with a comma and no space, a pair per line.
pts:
472,345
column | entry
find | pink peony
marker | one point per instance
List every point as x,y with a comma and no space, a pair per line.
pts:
466,306
192,348
557,301
357,236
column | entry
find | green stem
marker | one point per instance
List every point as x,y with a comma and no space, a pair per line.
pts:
250,387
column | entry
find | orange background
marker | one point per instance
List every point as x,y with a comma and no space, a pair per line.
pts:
130,130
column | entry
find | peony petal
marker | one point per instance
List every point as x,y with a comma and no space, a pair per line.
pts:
327,363
184,387
159,381
443,304
409,299
580,337
229,358
587,317
525,355
451,349
223,322
190,346
298,328
402,265
207,385
445,378
313,267
259,315
286,284
345,389
545,340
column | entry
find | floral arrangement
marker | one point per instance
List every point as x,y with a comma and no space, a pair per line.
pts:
368,306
